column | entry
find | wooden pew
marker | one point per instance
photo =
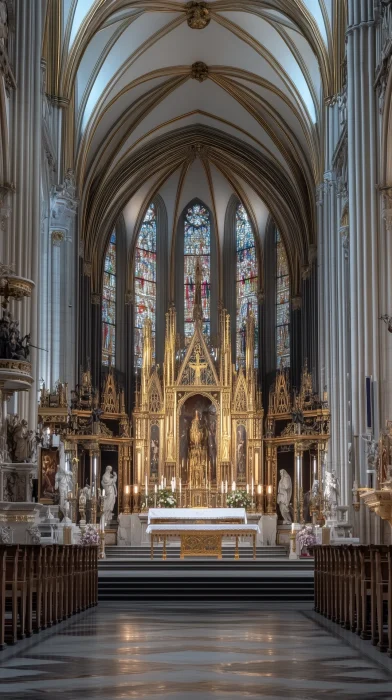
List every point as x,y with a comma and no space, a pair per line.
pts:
16,592
379,556
2,595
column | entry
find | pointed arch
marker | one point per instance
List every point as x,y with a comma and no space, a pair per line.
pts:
145,281
195,237
247,280
109,300
282,304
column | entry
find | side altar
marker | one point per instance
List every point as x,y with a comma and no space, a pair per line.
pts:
199,422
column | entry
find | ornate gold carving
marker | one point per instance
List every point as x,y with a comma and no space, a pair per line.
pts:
279,399
57,237
110,400
15,287
201,544
198,15
199,71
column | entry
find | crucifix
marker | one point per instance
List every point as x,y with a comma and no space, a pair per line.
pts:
197,367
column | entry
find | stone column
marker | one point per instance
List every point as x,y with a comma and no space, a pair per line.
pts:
363,207
25,113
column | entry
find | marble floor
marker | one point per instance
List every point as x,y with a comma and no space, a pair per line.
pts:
216,653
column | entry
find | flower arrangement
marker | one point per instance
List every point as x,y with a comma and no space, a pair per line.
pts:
239,499
90,536
166,499
306,539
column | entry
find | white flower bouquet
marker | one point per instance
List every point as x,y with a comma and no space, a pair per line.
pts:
90,537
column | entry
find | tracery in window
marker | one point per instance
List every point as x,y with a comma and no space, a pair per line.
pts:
145,280
109,304
282,324
197,244
246,281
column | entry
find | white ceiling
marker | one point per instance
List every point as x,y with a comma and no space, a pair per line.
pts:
128,65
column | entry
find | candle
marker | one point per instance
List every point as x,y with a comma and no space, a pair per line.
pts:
259,489
146,485
180,486
127,490
292,527
135,489
269,490
156,488
226,486
233,486
222,487
253,485
247,488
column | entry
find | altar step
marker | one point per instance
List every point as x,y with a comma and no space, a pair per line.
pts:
173,552
206,580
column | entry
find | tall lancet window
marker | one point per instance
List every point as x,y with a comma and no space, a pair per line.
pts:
197,244
246,282
282,305
109,304
145,280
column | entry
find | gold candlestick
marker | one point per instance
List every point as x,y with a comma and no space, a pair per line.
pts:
127,498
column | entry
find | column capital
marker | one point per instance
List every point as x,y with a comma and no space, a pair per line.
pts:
57,236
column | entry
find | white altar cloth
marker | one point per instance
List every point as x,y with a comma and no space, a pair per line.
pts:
222,527
181,514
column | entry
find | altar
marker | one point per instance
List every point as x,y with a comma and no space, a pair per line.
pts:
200,531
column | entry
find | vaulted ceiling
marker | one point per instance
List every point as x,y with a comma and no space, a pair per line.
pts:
238,85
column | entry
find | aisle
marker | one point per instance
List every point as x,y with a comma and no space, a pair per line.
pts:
118,652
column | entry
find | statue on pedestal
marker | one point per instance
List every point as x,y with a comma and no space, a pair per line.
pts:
331,493
285,490
109,483
64,484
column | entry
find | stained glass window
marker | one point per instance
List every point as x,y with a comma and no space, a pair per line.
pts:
197,239
282,305
145,280
109,304
247,280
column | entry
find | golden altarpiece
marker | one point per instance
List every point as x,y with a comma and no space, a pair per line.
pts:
199,422
296,439
94,429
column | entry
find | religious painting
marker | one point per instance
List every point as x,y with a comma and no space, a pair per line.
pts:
241,453
48,463
145,280
197,241
246,281
109,303
198,441
154,451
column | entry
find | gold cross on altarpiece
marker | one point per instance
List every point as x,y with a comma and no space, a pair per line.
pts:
197,367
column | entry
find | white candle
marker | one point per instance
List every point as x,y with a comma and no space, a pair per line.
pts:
247,488
146,488
233,486
253,486
222,487
156,488
226,486
180,486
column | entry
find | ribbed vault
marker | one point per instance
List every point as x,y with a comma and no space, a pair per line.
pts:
151,85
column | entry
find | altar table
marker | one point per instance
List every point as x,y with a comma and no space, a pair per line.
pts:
212,515
202,540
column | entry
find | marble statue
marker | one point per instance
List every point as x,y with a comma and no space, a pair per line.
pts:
108,483
21,441
331,492
63,484
285,489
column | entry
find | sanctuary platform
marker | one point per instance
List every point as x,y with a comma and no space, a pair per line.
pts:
129,574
